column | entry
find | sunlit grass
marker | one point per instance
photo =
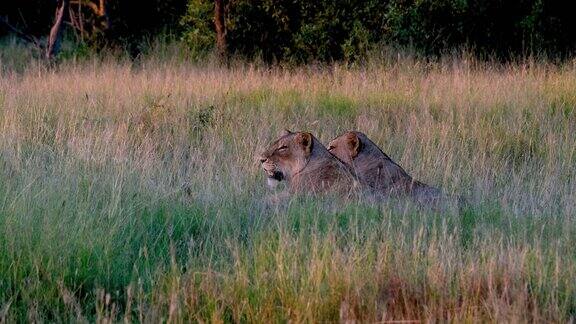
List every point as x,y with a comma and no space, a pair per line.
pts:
131,191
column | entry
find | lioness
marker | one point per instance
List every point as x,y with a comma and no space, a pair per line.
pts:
305,164
376,170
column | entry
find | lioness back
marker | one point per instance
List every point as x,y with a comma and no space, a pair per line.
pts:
376,170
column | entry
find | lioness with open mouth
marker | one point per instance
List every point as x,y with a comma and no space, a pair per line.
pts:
306,165
378,171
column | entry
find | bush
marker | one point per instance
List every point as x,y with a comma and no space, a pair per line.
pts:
307,31
199,34
295,31
300,31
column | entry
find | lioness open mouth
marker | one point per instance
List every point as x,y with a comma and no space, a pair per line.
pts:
274,179
277,175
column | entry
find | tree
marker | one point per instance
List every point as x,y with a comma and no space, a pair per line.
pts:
54,39
220,24
89,18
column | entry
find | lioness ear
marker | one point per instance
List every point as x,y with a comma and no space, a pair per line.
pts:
285,132
304,139
353,143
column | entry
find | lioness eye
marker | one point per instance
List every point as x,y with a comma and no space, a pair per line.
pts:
330,148
283,147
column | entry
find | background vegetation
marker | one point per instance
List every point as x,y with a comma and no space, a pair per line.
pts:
130,191
311,31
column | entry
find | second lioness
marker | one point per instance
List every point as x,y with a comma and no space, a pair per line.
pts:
376,170
304,163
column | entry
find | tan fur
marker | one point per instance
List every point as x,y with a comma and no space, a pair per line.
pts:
305,164
376,170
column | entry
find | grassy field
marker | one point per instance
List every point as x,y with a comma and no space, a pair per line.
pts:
131,192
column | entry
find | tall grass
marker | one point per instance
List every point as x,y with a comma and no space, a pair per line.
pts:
131,192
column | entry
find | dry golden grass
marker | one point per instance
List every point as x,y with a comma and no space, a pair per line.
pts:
131,191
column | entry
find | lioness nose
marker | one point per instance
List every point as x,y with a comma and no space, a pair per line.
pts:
262,159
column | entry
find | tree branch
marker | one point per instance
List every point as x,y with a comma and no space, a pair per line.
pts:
19,33
99,11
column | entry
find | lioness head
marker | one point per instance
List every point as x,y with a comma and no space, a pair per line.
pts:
372,166
287,155
346,147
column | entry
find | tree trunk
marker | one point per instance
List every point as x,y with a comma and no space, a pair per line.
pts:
53,45
103,15
220,23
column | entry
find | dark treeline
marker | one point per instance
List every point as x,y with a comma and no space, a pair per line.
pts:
303,31
95,23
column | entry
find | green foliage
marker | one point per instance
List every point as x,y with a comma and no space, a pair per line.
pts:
199,34
301,31
296,31
427,24
309,31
